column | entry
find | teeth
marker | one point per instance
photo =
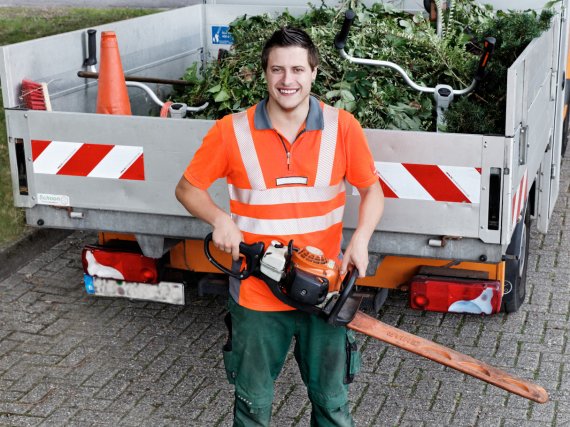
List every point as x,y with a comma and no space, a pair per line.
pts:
288,91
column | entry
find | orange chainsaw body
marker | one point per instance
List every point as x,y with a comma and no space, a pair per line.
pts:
312,260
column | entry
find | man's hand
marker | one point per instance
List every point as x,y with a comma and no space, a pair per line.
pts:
356,254
370,212
227,236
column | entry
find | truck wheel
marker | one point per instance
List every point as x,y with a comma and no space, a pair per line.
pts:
380,299
516,266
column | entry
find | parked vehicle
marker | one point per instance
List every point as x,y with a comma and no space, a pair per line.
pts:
455,232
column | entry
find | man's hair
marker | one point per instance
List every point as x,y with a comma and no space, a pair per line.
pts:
290,36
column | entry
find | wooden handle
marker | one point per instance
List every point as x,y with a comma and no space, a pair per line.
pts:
448,357
90,75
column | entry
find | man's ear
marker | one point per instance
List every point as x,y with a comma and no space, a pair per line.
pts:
314,74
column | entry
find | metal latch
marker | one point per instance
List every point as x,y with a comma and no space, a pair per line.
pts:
523,145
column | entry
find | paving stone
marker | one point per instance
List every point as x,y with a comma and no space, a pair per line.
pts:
71,359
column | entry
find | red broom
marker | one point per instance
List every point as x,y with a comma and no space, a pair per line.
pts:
35,95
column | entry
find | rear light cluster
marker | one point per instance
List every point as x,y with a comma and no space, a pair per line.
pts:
117,264
457,295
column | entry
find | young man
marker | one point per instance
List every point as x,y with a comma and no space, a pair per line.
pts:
286,160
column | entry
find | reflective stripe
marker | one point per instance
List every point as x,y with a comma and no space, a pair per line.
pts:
278,196
289,180
328,147
286,227
247,151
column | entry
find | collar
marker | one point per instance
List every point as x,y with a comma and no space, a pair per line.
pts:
314,121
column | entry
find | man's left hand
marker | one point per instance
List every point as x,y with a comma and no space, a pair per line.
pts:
356,254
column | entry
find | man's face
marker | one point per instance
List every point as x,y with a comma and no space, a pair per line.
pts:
289,76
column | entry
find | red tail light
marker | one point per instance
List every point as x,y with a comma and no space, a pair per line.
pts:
119,265
448,294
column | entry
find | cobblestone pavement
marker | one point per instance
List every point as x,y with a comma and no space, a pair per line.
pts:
70,359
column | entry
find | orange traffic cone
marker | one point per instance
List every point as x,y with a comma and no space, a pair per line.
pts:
112,95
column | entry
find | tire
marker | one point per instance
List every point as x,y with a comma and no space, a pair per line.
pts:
516,266
380,299
374,301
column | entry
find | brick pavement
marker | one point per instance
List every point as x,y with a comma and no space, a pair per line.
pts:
70,359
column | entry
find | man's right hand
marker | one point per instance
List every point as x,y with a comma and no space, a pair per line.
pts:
227,236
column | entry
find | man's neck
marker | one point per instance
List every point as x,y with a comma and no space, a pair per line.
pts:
287,122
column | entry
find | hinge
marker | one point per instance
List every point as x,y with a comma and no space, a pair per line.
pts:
553,82
553,171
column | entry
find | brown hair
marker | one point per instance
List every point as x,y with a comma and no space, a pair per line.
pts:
290,36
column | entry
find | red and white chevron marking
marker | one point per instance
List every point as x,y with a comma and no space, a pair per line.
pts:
430,182
519,199
89,160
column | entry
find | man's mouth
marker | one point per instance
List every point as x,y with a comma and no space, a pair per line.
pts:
288,91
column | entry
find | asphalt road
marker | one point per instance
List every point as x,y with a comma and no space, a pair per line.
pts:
67,358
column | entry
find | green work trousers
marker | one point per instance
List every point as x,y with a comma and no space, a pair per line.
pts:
255,354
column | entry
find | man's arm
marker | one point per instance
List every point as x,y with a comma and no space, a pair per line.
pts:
369,214
226,235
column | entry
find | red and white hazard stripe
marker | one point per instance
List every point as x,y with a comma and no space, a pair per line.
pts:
519,199
90,160
430,182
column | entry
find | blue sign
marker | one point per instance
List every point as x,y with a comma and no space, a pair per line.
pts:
221,35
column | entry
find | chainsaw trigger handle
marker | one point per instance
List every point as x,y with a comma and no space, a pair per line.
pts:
488,49
347,289
252,254
340,38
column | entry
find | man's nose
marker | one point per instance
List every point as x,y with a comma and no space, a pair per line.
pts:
287,77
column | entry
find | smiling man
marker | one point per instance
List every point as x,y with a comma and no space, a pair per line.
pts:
286,160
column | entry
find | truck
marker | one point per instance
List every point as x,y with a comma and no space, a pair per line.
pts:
75,169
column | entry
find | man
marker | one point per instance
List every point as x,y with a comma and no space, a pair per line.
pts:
286,160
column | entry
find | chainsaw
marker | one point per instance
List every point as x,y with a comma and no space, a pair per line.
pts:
302,278
306,280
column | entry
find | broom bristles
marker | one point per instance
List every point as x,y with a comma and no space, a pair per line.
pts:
35,95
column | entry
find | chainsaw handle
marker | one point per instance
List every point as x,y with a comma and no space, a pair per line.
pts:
252,254
488,49
350,280
340,38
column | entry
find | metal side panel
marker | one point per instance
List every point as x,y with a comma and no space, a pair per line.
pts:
533,103
64,176
434,183
529,80
553,170
161,45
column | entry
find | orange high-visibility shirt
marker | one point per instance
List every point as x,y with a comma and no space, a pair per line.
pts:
281,190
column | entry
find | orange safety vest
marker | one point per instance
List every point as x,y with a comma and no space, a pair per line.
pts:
303,209
297,194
